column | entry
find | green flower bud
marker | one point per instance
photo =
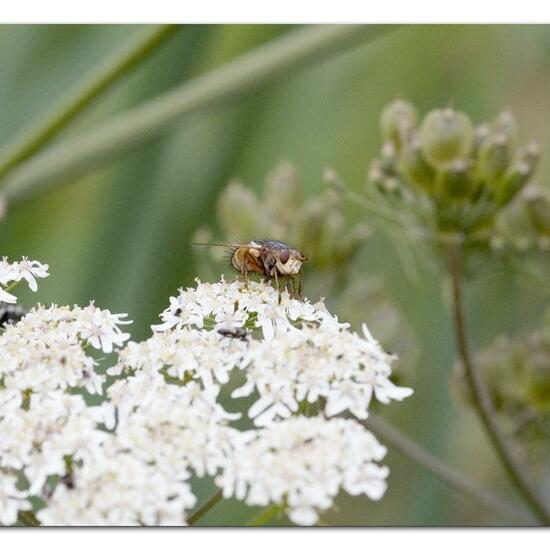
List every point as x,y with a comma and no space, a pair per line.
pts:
493,157
397,121
283,193
446,135
414,167
391,185
455,181
375,174
388,158
531,154
511,183
310,224
506,124
329,237
481,133
514,225
519,173
538,208
239,212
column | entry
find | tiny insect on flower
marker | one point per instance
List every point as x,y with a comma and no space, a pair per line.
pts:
11,314
233,332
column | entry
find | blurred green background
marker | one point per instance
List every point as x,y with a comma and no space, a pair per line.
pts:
120,234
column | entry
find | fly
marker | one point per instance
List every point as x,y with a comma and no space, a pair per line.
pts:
271,259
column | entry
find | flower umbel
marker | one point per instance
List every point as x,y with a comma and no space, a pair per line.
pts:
302,353
129,460
303,463
45,350
444,180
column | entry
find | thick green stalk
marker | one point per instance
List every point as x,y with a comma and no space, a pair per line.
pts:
245,74
482,399
84,92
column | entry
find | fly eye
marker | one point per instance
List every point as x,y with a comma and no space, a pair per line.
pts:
284,256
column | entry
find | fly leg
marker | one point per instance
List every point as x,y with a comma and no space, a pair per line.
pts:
300,285
277,287
291,287
244,271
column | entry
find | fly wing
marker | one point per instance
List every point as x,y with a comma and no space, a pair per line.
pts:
234,246
227,245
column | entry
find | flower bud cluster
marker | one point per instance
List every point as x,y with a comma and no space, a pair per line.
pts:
467,174
517,374
317,225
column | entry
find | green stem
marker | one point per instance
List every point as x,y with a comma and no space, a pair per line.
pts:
265,515
84,92
28,518
482,399
249,72
454,478
205,508
11,286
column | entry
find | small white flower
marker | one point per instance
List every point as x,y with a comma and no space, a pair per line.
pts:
7,297
177,427
14,272
29,270
100,328
7,272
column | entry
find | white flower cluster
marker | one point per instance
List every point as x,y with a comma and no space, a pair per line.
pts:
35,439
120,489
185,354
129,460
303,463
163,433
176,427
44,350
231,305
304,365
306,354
14,272
291,354
42,425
